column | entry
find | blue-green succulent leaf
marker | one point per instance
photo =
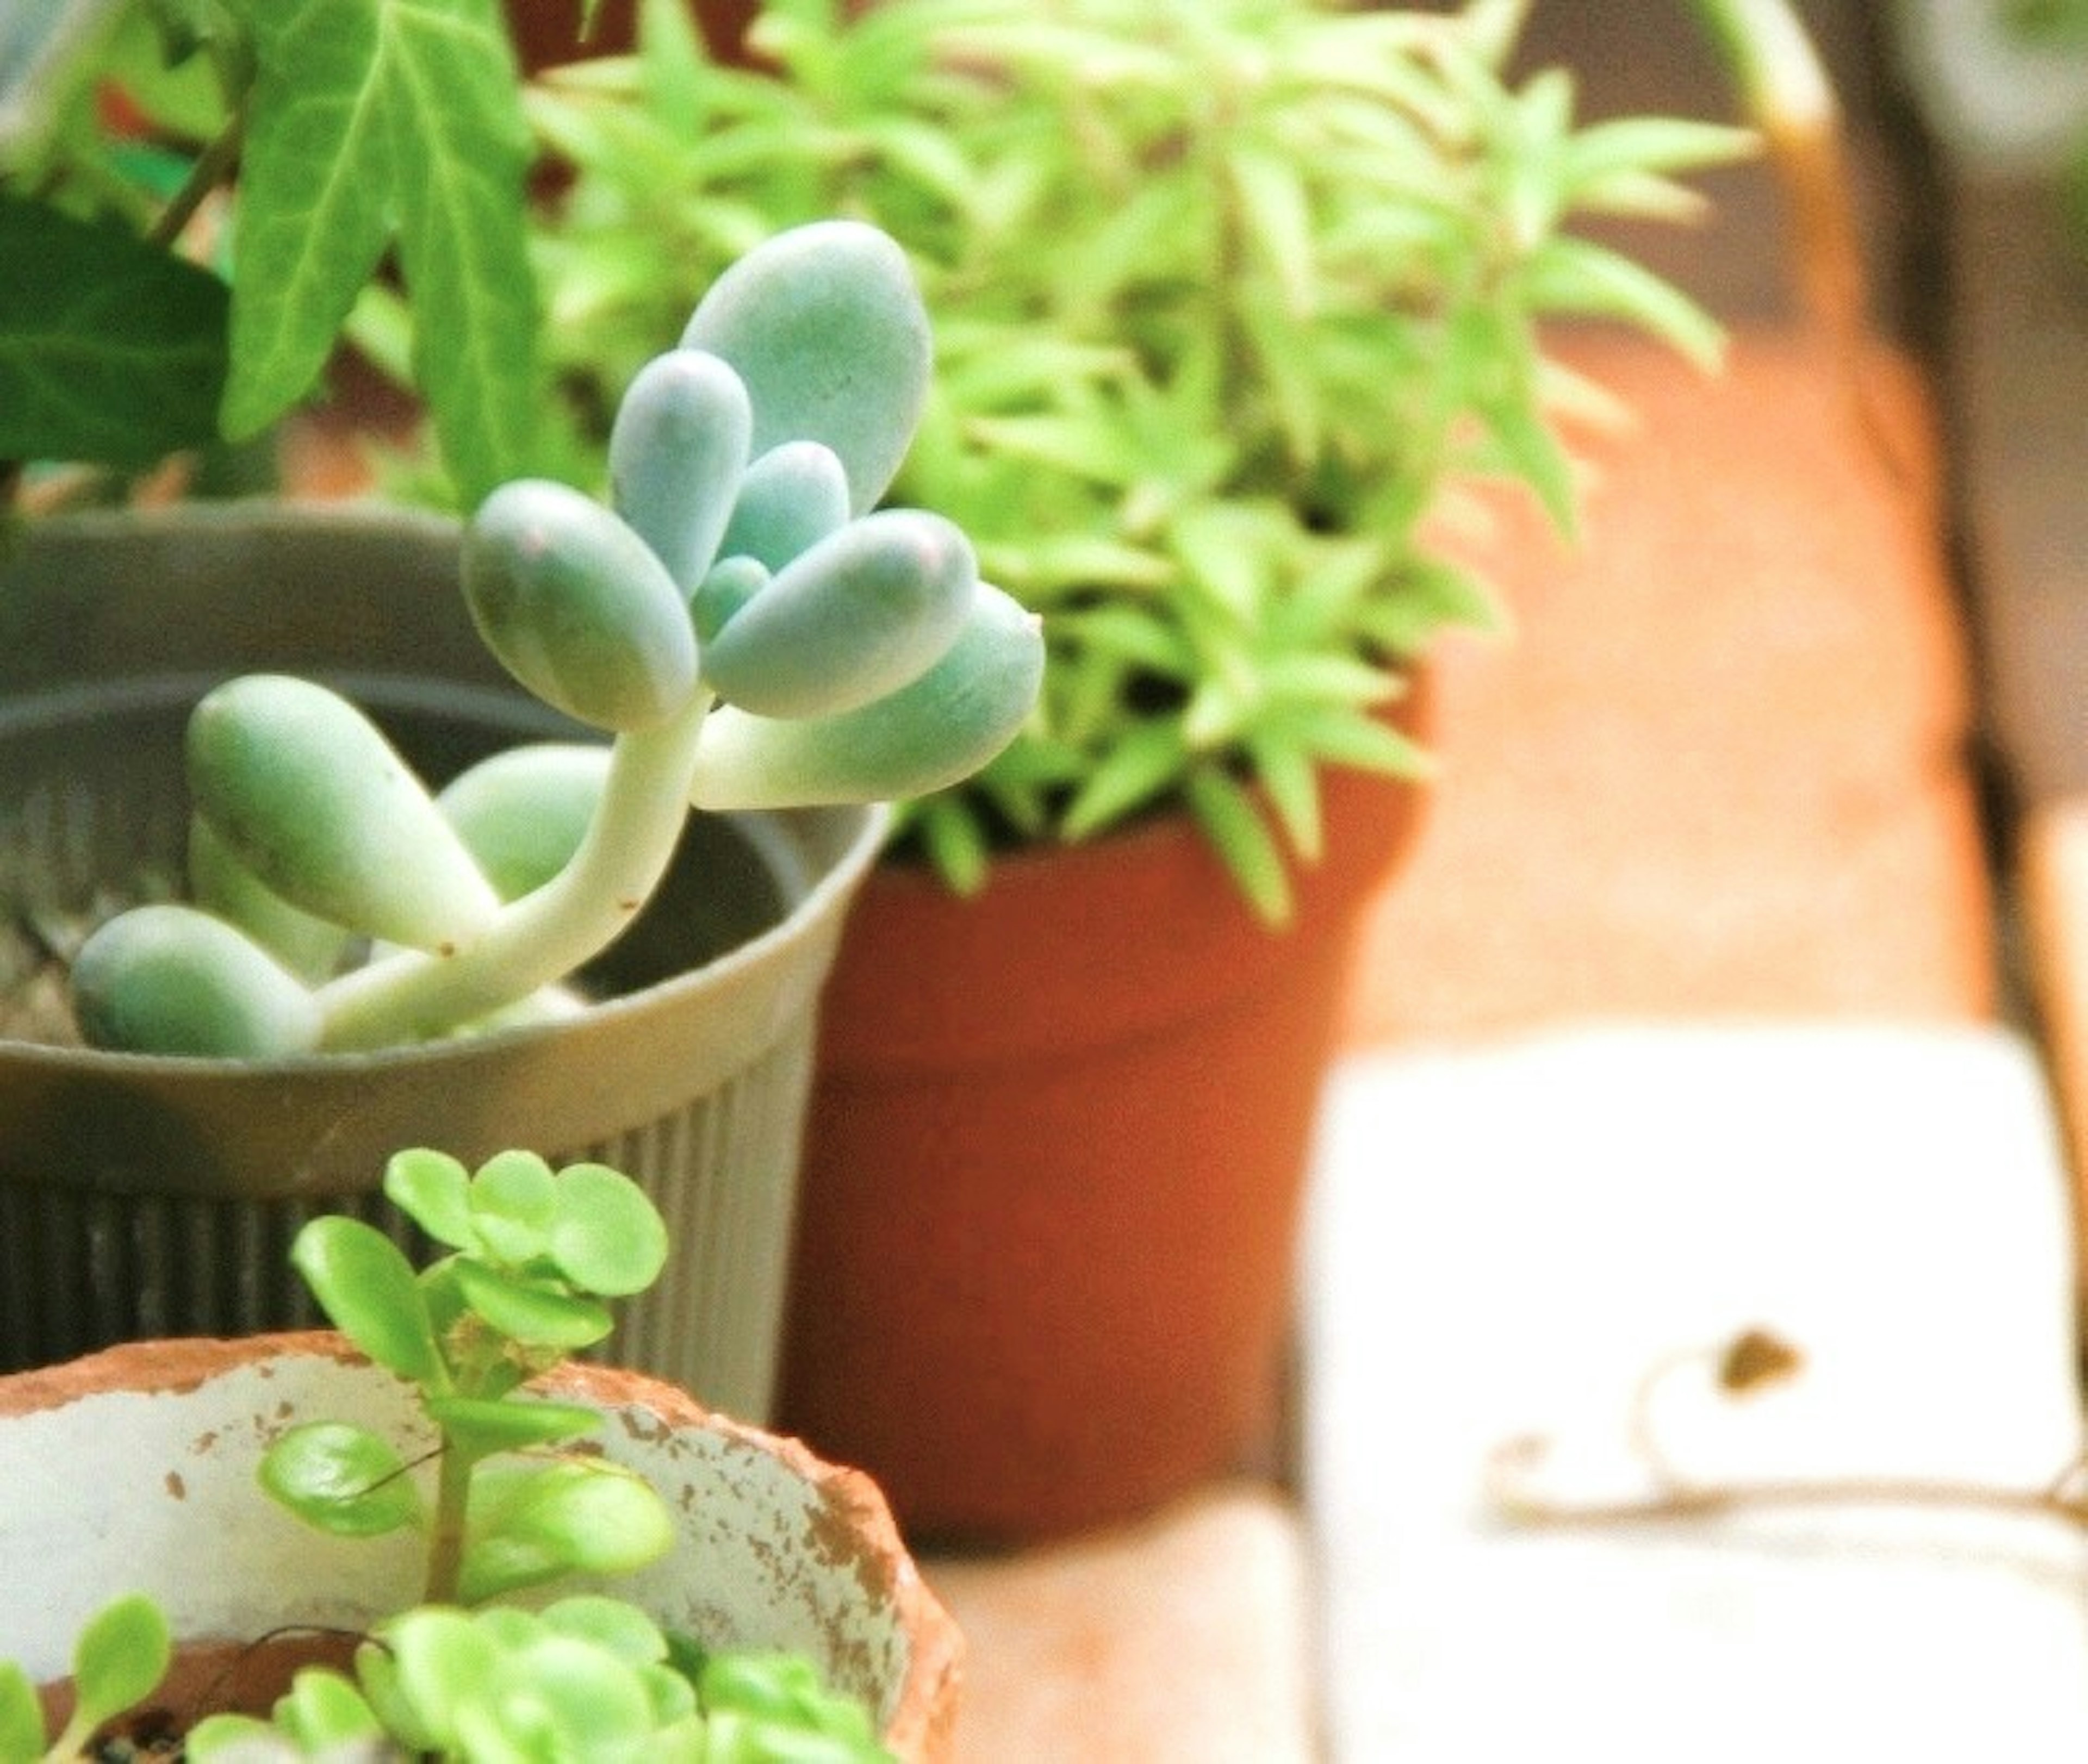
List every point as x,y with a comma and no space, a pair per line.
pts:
677,452
311,797
928,735
169,979
825,325
309,946
523,813
577,607
732,583
864,612
791,497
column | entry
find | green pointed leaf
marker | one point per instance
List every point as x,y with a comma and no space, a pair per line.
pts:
112,352
369,116
341,1480
1150,758
1235,827
1291,781
1579,277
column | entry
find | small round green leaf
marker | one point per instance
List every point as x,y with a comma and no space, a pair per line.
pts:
532,1313
119,1659
440,1661
432,1189
168,979
311,797
614,1625
21,1714
514,1202
577,607
365,1284
531,1522
608,1237
327,1715
342,1479
481,1426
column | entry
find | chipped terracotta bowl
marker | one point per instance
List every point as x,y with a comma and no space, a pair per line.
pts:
134,1469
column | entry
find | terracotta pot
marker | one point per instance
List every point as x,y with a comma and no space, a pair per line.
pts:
547,35
134,1470
145,1195
1054,1171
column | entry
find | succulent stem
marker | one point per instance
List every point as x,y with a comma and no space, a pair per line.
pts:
539,939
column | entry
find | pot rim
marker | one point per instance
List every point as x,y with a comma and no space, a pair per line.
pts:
263,518
922,1711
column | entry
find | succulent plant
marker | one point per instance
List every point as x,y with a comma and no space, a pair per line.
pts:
744,625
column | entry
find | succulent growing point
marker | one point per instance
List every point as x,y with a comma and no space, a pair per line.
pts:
745,624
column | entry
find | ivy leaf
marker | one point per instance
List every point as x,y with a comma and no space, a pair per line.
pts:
372,122
110,351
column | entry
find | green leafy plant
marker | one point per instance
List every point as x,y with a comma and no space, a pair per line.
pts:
340,903
149,149
534,1258
1231,297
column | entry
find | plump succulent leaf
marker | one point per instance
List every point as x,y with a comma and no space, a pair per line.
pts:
311,797
824,324
169,979
577,607
732,583
341,1480
523,813
677,451
308,946
791,497
946,724
865,611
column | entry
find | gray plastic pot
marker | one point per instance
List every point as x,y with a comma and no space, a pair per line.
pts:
144,1197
